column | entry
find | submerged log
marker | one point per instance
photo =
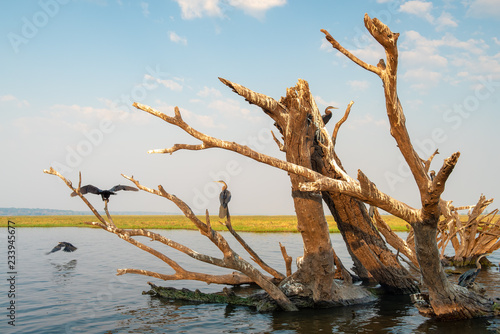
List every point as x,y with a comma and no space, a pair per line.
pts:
260,301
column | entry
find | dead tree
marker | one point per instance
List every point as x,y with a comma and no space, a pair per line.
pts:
314,278
478,235
307,143
446,300
310,155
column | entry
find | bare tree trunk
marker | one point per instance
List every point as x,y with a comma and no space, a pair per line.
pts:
372,259
366,245
316,272
445,301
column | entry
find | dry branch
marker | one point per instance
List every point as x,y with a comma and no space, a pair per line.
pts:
288,260
321,183
230,260
340,122
393,239
254,256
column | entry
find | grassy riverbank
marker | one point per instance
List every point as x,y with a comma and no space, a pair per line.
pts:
240,223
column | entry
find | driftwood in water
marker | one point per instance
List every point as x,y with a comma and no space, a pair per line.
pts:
261,302
247,272
478,235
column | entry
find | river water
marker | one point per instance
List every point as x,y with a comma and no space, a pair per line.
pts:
80,293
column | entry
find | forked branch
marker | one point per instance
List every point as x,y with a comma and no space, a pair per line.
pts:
319,181
230,260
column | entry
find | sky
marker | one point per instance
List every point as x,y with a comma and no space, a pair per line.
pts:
71,70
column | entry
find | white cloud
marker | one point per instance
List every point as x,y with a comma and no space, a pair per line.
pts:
145,8
496,40
370,53
445,20
423,10
423,79
167,83
256,8
419,8
484,8
191,9
176,38
423,52
416,50
12,99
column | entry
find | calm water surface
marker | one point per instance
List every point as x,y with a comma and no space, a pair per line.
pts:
80,293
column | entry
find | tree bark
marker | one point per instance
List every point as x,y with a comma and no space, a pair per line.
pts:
447,301
444,300
366,245
317,270
372,259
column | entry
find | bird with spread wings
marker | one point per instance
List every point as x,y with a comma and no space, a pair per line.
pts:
105,194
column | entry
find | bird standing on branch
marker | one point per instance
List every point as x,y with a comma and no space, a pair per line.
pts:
224,197
470,275
65,246
328,114
104,193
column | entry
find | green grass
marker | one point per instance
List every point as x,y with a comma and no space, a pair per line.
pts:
240,223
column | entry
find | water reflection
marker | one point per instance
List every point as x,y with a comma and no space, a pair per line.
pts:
62,273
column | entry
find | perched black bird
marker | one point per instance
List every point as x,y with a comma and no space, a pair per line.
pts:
328,114
65,246
224,197
104,193
470,275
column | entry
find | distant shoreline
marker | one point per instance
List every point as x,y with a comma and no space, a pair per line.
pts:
259,224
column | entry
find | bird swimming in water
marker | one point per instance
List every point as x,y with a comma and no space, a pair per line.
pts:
65,246
224,198
104,193
470,275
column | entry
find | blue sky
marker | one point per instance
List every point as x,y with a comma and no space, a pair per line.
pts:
71,69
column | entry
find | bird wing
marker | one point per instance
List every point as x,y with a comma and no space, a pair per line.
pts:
461,279
68,247
122,187
55,249
87,189
225,197
468,277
